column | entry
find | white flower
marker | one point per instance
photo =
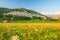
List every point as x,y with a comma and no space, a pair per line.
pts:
15,37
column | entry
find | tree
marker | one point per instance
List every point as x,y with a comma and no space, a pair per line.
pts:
8,17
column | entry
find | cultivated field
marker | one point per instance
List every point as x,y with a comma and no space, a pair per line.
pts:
29,31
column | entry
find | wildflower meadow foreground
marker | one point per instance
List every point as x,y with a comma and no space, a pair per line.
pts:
29,31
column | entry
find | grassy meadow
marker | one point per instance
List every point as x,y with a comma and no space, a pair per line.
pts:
29,31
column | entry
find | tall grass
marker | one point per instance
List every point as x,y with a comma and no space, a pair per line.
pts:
29,33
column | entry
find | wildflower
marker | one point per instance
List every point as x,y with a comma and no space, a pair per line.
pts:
15,37
36,29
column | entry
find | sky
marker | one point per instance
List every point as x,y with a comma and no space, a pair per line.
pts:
47,7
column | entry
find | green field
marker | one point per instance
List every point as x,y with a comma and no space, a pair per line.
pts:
29,33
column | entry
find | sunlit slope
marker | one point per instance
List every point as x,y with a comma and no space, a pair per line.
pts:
23,15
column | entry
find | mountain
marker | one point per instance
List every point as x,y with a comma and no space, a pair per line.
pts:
21,14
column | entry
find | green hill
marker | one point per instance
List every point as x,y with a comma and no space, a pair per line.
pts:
22,15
